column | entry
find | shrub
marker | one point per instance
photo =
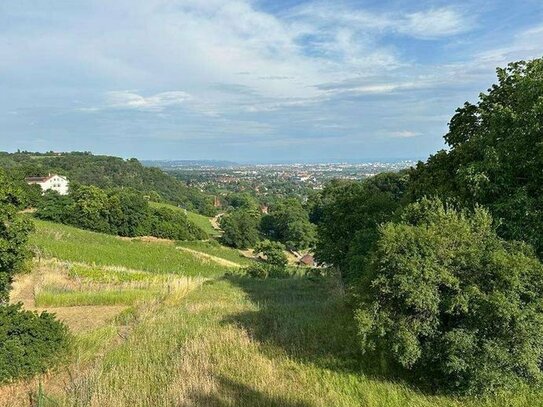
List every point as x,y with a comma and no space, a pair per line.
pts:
274,253
263,271
29,342
452,303
168,223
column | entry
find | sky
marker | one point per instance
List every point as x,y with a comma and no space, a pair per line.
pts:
251,80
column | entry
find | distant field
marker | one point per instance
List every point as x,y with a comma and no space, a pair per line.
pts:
72,244
215,249
199,220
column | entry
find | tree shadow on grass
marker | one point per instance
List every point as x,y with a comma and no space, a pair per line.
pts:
306,318
231,393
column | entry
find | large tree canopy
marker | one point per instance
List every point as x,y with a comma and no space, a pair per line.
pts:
446,298
496,155
348,217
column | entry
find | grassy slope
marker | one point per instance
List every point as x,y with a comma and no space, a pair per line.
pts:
231,342
72,244
217,250
199,220
240,342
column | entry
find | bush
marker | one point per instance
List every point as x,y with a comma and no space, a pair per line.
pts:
119,212
29,342
453,304
263,271
171,224
274,253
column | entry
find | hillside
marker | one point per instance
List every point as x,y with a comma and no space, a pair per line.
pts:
109,172
146,334
203,222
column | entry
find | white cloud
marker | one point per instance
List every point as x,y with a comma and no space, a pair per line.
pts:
158,102
404,134
434,23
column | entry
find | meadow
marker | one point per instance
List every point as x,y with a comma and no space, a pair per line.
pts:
217,341
213,248
77,245
240,342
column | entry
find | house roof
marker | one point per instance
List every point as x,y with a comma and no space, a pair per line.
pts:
43,179
37,179
307,259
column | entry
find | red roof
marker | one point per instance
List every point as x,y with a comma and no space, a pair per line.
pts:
307,260
39,179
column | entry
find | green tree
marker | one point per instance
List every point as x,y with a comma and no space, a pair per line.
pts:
55,207
91,209
14,231
350,214
288,222
495,155
128,212
274,252
172,224
242,200
240,228
29,342
448,300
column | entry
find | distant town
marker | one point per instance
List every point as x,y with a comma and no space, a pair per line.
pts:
216,176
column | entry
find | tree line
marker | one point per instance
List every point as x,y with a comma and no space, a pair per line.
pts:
286,221
123,212
107,172
442,262
30,342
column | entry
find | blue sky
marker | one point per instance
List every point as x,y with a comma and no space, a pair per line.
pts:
250,81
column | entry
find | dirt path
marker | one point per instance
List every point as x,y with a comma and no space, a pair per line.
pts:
215,222
218,260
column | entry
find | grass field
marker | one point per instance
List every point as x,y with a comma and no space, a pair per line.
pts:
215,249
76,245
225,341
199,220
241,342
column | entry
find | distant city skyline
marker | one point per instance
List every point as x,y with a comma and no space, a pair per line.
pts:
251,81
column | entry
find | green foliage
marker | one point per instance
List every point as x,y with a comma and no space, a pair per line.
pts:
448,300
274,253
288,222
349,214
55,207
242,200
267,270
240,228
171,224
108,173
29,342
203,222
124,212
14,230
495,155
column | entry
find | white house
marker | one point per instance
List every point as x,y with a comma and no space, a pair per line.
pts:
53,182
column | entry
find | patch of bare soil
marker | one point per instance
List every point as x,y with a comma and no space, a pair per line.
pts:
78,319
